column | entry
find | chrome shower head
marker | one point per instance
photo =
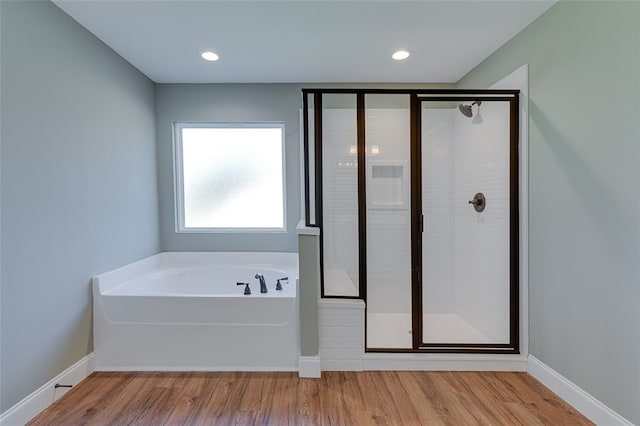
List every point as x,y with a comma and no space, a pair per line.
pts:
466,109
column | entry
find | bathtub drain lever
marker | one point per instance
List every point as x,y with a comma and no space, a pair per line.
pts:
247,290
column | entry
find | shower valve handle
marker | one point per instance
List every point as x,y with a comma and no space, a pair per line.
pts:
247,290
479,202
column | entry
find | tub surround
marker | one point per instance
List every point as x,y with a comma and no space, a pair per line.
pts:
184,311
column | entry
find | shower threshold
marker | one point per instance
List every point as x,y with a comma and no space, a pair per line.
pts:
393,330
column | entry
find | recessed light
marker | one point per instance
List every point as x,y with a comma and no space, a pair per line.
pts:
209,56
400,55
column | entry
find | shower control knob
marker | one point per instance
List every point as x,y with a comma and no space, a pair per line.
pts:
479,202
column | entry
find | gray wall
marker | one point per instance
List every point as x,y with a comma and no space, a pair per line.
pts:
79,192
584,77
227,102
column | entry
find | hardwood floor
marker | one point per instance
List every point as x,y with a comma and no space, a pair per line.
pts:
339,398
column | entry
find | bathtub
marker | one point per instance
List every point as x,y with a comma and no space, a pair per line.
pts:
184,311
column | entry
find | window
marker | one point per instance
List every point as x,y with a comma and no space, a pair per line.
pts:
229,177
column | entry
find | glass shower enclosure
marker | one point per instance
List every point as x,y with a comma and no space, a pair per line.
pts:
415,193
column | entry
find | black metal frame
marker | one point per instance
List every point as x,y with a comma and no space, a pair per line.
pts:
416,97
362,197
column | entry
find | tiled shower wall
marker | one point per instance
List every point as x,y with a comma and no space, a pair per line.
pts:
437,209
388,213
466,253
481,267
340,191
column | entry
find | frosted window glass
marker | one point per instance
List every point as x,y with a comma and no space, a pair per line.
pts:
232,177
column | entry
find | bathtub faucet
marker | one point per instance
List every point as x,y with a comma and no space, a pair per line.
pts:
263,284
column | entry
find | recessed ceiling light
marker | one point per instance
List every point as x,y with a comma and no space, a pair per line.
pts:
209,56
400,55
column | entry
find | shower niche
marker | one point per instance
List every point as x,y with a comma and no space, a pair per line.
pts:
416,197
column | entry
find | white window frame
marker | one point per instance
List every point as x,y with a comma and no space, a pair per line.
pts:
178,176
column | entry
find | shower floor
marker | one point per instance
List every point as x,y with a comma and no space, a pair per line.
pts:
394,330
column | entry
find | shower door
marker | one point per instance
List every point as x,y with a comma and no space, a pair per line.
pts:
466,223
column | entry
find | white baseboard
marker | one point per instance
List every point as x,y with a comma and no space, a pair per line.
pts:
309,366
342,364
443,362
586,404
35,403
171,368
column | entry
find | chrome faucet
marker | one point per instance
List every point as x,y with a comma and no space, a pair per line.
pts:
263,284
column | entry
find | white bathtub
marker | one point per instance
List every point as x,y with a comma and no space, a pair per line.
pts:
184,311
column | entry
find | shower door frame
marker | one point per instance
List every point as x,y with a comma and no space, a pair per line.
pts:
417,225
416,97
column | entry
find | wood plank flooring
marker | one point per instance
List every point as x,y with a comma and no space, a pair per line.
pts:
339,398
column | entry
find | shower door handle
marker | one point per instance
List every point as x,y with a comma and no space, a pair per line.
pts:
479,202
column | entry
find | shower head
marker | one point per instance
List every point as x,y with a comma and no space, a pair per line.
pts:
466,109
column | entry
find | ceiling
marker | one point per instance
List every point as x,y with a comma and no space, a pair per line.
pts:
304,41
